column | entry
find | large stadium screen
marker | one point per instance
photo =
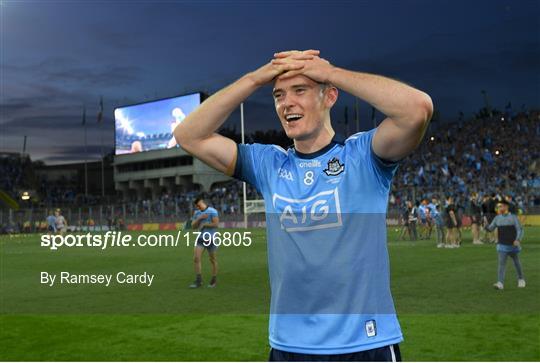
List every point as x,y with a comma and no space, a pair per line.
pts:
149,126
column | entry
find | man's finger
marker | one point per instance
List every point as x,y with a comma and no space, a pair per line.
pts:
298,56
288,53
285,63
292,52
285,53
290,74
290,67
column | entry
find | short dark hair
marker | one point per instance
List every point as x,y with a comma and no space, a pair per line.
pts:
198,199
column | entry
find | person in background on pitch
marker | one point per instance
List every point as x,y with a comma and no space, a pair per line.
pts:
422,220
451,224
510,234
475,211
51,223
404,220
206,220
459,218
436,217
489,203
61,223
413,219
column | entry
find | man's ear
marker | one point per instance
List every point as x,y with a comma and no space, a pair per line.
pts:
331,96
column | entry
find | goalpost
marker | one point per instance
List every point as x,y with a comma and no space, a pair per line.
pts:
254,205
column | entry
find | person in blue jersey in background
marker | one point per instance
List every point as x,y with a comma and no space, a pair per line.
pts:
427,219
325,201
51,223
435,213
422,221
206,220
509,235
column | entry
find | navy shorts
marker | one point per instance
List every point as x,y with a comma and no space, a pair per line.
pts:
207,244
389,353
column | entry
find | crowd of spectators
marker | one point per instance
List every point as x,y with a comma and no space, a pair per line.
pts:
226,198
62,191
496,154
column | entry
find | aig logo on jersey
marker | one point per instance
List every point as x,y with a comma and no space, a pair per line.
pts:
316,212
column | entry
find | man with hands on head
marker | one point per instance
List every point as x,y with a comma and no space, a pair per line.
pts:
329,273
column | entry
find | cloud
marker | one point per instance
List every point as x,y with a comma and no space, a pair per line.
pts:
12,107
74,74
102,76
54,123
71,154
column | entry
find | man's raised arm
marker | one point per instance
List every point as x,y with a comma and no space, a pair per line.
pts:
408,110
197,133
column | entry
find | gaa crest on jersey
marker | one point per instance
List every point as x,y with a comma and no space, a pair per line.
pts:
335,167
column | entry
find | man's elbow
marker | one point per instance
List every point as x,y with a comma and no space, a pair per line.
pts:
182,138
423,109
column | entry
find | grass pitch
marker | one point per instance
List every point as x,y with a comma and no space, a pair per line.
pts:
445,302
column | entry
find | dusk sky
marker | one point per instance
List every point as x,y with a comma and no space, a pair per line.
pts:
57,56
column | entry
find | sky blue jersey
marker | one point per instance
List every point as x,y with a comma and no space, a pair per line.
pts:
211,213
433,210
51,221
327,254
422,211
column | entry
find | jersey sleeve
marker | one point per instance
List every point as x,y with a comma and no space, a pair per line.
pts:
494,224
362,149
213,213
519,228
249,162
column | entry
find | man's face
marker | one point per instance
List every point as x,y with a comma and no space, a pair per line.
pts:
200,205
502,208
301,105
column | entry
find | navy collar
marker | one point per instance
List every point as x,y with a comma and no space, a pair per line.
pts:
337,140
